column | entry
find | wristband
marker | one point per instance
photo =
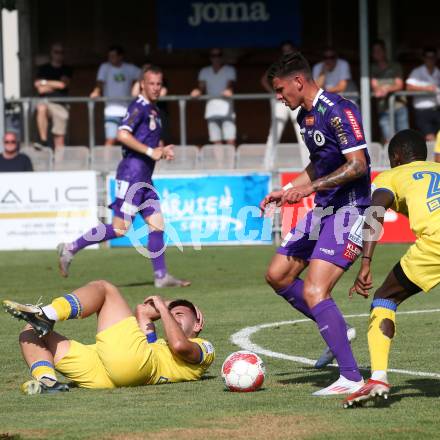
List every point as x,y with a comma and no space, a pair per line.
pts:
149,152
367,258
288,186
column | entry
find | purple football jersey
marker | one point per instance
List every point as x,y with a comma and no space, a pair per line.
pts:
331,129
142,120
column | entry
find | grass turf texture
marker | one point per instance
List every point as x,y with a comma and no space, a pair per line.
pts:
228,285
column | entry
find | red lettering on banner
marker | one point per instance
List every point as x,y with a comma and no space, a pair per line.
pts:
354,124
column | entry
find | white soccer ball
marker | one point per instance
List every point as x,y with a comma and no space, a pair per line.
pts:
243,371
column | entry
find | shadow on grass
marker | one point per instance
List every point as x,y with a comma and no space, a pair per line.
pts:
138,284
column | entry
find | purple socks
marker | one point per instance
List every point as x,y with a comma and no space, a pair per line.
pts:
101,233
293,294
156,248
333,329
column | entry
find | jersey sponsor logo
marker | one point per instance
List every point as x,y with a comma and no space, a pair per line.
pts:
227,12
209,348
351,251
327,251
319,138
336,123
326,100
321,109
152,124
354,124
355,234
310,120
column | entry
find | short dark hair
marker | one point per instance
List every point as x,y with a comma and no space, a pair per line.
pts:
288,65
118,49
150,68
410,144
380,43
183,303
287,43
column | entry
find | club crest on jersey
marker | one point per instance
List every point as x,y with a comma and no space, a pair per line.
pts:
319,138
152,125
310,120
354,124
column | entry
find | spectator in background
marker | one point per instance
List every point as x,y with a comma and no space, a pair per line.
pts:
218,80
332,74
282,112
426,78
11,160
386,78
53,81
115,79
161,105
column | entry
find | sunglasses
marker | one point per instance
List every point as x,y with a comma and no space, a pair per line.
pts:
10,142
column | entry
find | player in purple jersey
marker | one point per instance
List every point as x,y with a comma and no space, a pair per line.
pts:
328,240
140,136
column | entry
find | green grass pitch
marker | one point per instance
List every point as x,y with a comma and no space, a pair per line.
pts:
229,287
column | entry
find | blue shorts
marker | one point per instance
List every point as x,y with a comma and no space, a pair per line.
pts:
111,124
336,238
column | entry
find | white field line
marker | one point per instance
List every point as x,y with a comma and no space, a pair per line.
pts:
242,338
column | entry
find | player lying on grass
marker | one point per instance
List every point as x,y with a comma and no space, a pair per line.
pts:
126,352
411,187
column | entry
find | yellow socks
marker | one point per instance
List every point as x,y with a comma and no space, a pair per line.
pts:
63,308
381,331
41,369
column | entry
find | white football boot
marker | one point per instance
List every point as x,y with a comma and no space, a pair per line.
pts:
341,386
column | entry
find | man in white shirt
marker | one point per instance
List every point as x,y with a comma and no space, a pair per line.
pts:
332,74
426,78
217,80
115,78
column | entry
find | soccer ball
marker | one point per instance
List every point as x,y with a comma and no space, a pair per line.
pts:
243,371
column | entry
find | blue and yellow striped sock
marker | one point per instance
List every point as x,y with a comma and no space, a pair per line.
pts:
63,308
41,369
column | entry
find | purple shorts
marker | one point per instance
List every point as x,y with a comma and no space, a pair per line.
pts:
336,238
133,198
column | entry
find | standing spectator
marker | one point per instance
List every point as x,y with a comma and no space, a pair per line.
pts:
282,112
426,78
11,160
332,74
218,80
115,79
386,78
53,81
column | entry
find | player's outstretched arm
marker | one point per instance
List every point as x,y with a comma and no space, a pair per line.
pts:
372,231
177,340
125,137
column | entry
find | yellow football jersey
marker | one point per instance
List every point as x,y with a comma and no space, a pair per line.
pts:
167,367
416,189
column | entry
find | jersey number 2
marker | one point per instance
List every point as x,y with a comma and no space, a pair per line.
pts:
433,189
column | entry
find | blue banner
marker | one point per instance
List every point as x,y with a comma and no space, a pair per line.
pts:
201,209
186,24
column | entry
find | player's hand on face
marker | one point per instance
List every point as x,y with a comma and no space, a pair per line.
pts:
363,282
200,317
273,197
148,311
294,195
168,152
157,302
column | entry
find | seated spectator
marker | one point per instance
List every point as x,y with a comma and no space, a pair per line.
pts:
426,78
115,79
218,80
53,81
332,74
386,78
11,160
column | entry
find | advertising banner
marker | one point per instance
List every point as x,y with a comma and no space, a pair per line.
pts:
227,24
396,226
205,210
40,210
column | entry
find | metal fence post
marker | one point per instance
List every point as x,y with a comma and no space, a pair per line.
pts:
392,112
182,121
25,109
91,117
